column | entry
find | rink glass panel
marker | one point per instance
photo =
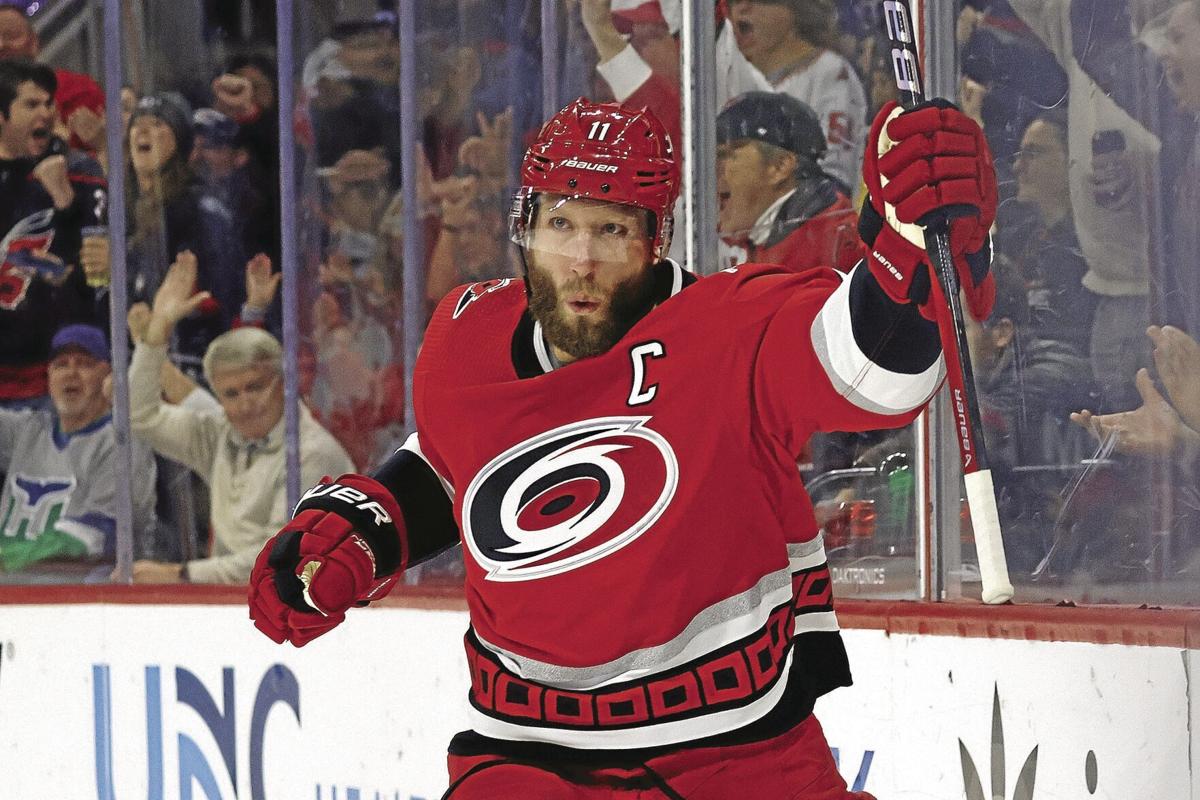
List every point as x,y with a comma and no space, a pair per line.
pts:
486,74
164,55
1083,520
475,89
1093,138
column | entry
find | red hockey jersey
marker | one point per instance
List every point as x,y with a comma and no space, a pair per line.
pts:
643,565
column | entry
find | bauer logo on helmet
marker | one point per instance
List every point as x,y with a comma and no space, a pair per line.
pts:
588,165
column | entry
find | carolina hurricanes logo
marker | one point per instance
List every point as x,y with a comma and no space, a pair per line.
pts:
25,253
568,497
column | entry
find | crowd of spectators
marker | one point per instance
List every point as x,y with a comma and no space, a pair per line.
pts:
1090,109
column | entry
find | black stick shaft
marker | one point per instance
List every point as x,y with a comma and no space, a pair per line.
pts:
907,67
981,495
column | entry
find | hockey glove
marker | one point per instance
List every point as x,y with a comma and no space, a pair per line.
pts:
923,164
345,546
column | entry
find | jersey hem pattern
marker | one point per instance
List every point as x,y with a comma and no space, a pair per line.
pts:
721,691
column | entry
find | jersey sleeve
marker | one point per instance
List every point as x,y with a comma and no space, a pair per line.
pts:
229,568
12,421
91,190
634,83
837,355
425,498
1127,69
183,434
1047,20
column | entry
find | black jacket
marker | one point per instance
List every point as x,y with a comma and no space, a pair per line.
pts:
40,292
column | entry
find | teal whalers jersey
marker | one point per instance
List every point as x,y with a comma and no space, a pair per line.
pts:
59,498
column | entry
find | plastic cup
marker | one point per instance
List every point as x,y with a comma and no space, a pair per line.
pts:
89,232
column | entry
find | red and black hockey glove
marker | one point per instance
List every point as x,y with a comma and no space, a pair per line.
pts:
344,547
919,164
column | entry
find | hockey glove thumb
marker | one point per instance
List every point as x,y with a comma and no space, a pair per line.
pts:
345,546
923,165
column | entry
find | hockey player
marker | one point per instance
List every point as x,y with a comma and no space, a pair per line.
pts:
775,202
615,439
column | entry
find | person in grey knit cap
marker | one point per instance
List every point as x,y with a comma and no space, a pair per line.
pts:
169,212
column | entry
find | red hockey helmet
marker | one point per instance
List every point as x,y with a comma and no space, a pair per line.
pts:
602,151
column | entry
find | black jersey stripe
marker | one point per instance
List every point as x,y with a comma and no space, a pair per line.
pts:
428,514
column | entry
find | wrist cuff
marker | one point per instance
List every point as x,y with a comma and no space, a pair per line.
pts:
625,73
253,315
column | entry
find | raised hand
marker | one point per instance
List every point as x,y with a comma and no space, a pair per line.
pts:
595,11
233,96
1177,359
597,21
336,269
458,203
261,283
1154,429
138,319
425,186
488,152
88,126
175,299
928,161
51,172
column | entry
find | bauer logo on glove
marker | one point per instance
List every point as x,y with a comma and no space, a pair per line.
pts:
343,548
354,497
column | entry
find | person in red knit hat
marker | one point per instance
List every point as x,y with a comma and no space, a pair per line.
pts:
79,99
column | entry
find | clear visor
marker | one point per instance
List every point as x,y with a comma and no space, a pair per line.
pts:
583,230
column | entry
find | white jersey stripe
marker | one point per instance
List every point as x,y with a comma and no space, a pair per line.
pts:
676,277
807,555
720,624
851,371
539,348
92,538
816,622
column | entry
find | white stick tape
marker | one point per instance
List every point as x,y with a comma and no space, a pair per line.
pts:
989,546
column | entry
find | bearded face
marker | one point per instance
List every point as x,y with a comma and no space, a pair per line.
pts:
588,273
581,335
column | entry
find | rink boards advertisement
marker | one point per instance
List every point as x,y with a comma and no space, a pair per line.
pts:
124,702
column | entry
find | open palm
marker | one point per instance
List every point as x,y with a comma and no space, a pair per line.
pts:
175,299
1153,429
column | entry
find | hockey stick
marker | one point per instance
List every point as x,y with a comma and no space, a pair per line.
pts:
977,475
